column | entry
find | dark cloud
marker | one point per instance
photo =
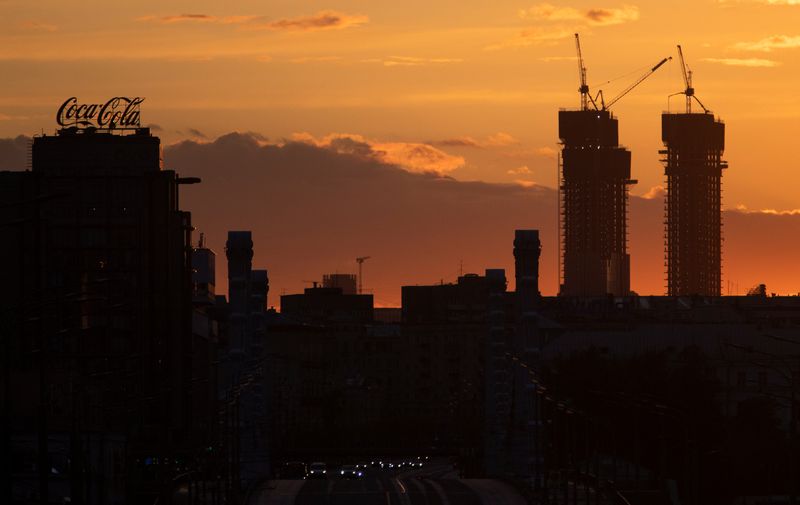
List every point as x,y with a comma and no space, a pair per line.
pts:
197,133
314,209
155,127
324,20
14,153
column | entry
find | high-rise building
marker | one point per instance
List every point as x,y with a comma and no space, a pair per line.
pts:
693,167
594,176
97,299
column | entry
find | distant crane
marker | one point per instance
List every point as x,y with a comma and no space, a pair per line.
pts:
360,260
687,81
586,96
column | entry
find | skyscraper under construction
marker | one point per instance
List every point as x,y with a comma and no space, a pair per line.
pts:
693,167
594,175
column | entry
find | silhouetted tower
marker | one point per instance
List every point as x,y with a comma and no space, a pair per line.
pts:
527,249
594,175
693,168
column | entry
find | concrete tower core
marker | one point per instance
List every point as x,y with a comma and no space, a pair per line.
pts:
693,168
594,176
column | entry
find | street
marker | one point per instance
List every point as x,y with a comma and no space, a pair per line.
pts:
434,484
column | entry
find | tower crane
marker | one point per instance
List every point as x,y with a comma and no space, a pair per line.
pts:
360,260
586,96
636,82
687,81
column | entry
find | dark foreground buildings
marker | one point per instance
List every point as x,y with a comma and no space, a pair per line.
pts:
100,362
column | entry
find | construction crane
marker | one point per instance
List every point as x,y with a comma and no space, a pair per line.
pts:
636,83
687,81
586,96
360,260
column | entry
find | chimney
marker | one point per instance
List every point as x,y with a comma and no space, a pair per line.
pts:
527,249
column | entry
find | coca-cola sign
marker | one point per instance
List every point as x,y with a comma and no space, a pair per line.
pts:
118,112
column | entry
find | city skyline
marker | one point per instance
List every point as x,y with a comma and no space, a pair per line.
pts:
472,97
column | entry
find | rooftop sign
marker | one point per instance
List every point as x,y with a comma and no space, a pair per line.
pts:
118,112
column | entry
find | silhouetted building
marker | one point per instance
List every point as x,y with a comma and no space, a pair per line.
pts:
693,168
327,305
345,282
97,309
595,173
243,362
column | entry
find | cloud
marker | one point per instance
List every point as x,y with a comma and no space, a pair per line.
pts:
523,170
155,127
328,204
197,133
9,117
597,16
411,156
769,44
38,26
410,61
762,2
532,152
197,18
772,212
315,59
655,192
534,37
323,20
744,62
14,152
525,184
499,139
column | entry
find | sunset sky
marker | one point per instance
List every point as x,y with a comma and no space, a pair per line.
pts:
466,89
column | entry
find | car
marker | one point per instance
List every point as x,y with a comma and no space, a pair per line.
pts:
318,470
350,472
376,463
362,466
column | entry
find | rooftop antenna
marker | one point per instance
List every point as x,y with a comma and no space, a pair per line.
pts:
202,241
360,260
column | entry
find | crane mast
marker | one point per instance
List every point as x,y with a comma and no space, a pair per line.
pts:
687,81
584,89
586,97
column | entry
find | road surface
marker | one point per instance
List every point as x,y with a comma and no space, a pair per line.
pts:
434,484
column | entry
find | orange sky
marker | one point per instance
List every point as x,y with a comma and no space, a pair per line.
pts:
468,90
